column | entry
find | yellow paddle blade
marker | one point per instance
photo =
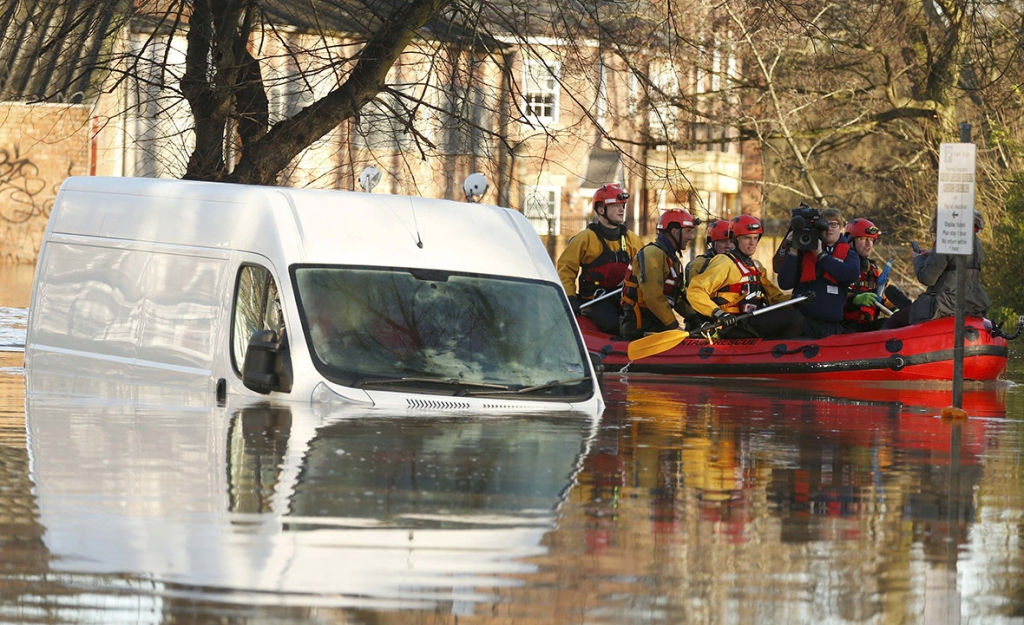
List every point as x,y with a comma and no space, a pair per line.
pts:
655,344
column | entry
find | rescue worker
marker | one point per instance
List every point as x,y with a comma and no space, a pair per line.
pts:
600,257
827,272
734,283
938,273
654,284
861,312
717,240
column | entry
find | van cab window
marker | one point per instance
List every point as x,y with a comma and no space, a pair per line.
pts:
442,332
257,307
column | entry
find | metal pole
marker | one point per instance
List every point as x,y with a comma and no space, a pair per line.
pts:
959,316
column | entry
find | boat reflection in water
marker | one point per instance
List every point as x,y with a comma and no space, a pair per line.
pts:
767,503
318,509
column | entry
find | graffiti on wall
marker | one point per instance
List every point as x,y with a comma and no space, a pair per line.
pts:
24,194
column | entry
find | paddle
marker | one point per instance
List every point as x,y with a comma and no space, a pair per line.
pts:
883,277
883,280
605,296
664,341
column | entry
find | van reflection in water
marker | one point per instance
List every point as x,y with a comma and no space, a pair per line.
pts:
374,511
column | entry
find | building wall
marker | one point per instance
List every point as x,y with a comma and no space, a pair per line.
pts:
142,131
40,146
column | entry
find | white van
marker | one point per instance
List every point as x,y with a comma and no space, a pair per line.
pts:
304,295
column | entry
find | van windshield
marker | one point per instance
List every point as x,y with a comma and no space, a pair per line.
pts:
440,332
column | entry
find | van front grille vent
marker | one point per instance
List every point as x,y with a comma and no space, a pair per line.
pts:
508,407
437,404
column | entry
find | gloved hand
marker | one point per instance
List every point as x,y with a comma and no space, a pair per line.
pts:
865,299
574,303
724,318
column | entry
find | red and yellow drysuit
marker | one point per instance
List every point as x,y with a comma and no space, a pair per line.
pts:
600,263
734,283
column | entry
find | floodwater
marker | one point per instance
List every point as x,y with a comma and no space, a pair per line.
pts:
684,503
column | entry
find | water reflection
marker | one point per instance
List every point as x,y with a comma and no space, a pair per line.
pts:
278,505
687,503
790,505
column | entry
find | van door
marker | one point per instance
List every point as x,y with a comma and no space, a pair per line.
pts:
257,308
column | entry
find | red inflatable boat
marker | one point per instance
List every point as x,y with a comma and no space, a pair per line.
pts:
922,351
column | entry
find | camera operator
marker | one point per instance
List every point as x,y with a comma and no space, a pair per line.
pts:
826,267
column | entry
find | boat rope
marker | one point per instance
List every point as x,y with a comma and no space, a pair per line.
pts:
997,331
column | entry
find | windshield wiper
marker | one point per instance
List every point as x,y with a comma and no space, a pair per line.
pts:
442,381
539,387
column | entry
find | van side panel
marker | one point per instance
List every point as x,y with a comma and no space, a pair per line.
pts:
107,309
181,316
85,316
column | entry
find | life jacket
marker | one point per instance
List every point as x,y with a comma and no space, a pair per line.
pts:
809,263
699,264
608,270
672,288
866,283
749,288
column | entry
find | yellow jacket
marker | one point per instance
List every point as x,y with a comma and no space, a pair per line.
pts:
650,270
722,271
584,248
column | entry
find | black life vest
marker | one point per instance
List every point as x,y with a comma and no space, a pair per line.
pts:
608,270
672,288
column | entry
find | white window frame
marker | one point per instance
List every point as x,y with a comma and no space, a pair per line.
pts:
601,114
535,93
543,207
632,106
663,117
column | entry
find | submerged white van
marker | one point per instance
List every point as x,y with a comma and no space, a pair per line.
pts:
304,295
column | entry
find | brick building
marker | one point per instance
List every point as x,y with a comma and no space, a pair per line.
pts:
546,130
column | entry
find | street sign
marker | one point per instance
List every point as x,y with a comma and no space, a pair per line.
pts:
954,226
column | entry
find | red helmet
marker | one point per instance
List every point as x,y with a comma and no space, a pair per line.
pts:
718,231
681,218
610,194
861,227
746,224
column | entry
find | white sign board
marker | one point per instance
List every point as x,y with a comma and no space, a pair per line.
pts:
954,226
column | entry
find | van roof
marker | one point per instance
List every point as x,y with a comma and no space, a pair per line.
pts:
305,225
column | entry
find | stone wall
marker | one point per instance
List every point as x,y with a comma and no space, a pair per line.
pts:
40,146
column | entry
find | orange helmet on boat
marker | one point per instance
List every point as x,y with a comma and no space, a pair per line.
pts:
746,224
609,194
861,227
678,218
718,231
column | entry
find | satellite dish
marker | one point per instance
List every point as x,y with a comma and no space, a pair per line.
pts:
369,178
476,186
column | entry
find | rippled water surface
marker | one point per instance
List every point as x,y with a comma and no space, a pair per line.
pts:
684,503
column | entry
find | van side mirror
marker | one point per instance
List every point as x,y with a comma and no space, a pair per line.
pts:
268,363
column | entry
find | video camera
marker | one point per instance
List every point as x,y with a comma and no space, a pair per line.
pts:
807,226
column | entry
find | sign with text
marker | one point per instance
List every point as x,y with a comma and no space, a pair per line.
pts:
954,224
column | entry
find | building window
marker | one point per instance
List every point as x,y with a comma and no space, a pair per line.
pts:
543,208
663,117
540,91
384,121
466,120
633,94
601,114
159,127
